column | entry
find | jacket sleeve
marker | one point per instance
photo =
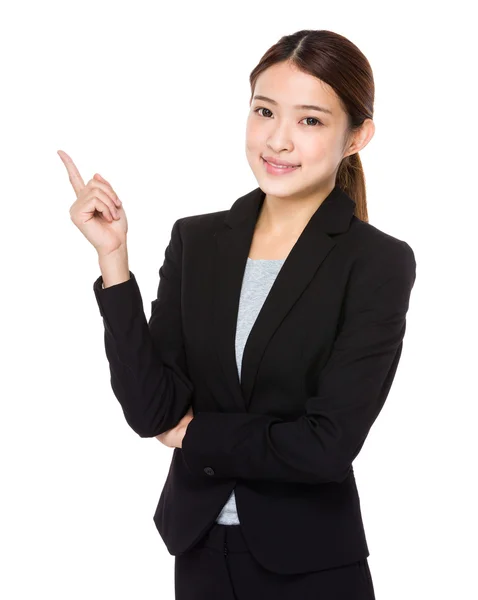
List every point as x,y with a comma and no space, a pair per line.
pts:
321,445
147,359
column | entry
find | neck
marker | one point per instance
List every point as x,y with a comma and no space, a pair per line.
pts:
289,215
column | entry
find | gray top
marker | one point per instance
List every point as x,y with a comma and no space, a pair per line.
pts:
259,276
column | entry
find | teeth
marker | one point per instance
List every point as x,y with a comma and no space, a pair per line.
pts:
279,166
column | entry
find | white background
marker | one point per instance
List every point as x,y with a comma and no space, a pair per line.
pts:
155,99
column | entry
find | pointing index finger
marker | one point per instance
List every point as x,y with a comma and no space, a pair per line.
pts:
74,175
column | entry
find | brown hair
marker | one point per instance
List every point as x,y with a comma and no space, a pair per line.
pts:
335,60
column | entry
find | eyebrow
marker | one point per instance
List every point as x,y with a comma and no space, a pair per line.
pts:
298,106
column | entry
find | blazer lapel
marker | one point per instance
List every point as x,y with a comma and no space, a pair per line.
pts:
233,242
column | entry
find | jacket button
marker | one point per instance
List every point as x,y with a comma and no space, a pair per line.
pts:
209,471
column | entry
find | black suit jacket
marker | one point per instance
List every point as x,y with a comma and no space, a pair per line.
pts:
317,367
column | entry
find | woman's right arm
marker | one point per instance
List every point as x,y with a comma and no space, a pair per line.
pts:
147,360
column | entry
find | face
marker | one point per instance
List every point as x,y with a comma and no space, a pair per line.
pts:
315,140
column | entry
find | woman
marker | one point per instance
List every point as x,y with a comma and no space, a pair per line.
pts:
272,344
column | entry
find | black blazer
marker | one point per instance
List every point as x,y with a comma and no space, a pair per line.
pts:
317,367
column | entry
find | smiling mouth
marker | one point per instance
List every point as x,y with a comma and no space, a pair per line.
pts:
285,167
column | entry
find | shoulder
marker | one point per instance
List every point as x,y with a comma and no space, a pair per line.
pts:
375,256
201,224
369,243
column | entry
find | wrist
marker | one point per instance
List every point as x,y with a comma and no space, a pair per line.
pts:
114,267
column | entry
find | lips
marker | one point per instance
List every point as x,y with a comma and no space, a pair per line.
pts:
278,171
279,166
279,163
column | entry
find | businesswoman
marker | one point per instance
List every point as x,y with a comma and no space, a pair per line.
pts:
272,344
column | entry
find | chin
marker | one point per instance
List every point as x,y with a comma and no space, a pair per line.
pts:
280,191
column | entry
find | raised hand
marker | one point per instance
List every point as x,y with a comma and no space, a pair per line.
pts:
97,211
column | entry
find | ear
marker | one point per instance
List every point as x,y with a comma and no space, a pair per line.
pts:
361,137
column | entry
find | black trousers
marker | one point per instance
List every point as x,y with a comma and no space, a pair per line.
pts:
220,567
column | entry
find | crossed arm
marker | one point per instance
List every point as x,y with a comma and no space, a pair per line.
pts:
321,445
148,376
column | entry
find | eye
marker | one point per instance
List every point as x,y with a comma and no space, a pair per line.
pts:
261,108
319,123
313,119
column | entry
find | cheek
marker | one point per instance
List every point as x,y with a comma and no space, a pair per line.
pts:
253,133
314,153
320,150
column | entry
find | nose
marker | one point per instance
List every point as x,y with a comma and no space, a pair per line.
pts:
280,139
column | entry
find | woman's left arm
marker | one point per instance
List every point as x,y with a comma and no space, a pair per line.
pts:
321,445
